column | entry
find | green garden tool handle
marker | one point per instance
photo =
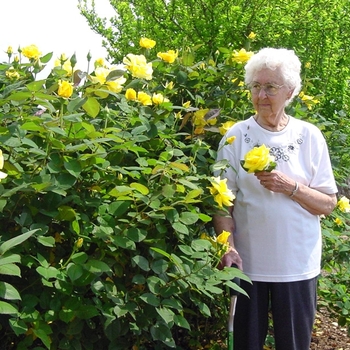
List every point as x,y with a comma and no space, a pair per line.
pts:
232,310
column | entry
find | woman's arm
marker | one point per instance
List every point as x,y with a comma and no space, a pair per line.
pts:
315,202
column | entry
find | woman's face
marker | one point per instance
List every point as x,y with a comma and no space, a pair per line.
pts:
265,104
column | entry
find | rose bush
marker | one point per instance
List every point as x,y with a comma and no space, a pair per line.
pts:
109,179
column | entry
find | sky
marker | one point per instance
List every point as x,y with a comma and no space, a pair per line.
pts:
53,26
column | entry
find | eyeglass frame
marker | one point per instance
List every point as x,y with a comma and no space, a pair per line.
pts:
264,87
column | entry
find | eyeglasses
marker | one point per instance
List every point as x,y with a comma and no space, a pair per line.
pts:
270,89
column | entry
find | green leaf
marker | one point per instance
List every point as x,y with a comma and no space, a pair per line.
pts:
73,167
166,314
4,247
124,242
36,85
76,103
86,312
150,299
43,336
66,213
140,188
66,315
181,322
74,271
7,309
46,241
204,217
173,303
179,227
114,74
13,258
80,258
141,262
48,272
92,107
201,245
96,266
193,194
20,96
18,326
161,251
204,309
168,191
159,266
32,126
8,292
10,270
188,218
136,234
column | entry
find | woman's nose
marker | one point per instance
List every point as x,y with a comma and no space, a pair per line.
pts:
262,93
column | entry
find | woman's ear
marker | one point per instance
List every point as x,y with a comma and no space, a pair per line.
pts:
290,93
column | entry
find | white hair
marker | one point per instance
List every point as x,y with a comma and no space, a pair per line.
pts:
286,61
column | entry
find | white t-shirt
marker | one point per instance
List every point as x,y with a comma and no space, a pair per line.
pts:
277,239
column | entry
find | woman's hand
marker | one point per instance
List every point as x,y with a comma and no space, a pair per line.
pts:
276,181
231,258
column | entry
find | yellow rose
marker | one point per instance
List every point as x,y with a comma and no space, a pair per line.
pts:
343,204
241,56
147,43
130,94
310,101
252,36
79,243
231,139
199,120
222,195
9,50
225,127
12,74
116,85
1,160
259,159
2,174
64,63
169,85
187,104
144,99
338,221
31,52
199,130
100,62
223,236
158,99
138,66
169,56
100,76
65,89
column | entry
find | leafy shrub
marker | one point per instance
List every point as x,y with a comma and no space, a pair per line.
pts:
108,177
110,173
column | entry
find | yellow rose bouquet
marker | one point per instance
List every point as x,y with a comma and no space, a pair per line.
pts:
258,159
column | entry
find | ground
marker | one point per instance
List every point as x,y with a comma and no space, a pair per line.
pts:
328,335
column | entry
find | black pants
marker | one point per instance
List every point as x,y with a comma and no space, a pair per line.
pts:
293,308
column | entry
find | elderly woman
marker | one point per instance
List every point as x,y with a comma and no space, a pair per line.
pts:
275,224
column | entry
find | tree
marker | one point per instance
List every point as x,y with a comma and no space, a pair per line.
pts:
318,30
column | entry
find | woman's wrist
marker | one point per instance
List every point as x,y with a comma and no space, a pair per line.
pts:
295,190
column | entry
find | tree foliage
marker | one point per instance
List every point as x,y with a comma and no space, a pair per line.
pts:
318,30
